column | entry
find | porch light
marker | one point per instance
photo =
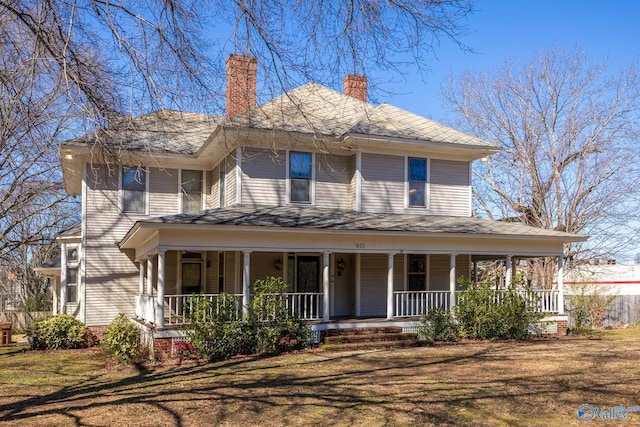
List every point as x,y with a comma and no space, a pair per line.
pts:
278,264
341,264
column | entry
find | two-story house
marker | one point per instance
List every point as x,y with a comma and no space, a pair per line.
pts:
365,210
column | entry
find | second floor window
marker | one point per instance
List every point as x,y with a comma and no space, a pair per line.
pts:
134,185
300,177
417,182
191,191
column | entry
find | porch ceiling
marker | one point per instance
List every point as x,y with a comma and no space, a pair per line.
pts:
306,220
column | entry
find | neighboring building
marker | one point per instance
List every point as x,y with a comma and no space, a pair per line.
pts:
604,278
365,210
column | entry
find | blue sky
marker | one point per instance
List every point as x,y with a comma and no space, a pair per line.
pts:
517,29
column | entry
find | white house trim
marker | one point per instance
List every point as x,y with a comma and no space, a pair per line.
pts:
238,175
358,173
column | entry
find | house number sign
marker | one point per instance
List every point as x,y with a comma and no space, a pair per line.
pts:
359,245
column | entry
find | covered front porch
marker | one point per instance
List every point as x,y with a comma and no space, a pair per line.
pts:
337,263
324,287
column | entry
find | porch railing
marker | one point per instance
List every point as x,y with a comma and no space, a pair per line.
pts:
179,308
416,303
309,306
145,308
304,305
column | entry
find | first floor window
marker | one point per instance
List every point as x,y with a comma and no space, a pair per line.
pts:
300,177
417,272
191,191
417,181
191,272
72,285
134,185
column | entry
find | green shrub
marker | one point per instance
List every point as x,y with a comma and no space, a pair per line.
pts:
588,308
277,329
438,324
60,332
487,313
122,340
217,332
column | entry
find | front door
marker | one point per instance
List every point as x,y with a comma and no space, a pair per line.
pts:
308,274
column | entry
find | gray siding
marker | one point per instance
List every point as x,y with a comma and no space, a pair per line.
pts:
213,196
263,177
353,182
333,181
171,272
163,191
373,285
382,183
262,265
398,272
230,180
344,286
111,277
439,270
450,188
232,283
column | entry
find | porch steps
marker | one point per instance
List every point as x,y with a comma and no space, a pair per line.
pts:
367,338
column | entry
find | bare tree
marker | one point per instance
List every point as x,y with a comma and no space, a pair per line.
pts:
71,67
567,129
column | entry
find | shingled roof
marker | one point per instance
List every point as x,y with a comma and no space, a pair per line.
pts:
315,109
310,109
308,217
162,131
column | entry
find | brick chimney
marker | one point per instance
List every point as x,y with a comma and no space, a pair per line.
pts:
241,84
356,86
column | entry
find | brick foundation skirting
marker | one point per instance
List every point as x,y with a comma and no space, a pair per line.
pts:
162,347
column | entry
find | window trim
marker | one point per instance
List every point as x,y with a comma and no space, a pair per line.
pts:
203,273
312,180
427,184
202,189
121,190
72,265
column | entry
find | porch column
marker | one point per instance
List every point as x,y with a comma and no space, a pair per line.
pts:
358,289
358,181
54,294
325,288
63,279
390,286
561,284
141,299
141,278
452,281
160,295
246,291
150,276
508,271
475,272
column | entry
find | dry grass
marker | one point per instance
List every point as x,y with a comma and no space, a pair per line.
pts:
500,383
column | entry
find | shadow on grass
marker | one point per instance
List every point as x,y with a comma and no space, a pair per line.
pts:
426,384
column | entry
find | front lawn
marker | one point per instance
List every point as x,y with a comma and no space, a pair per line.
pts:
500,383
